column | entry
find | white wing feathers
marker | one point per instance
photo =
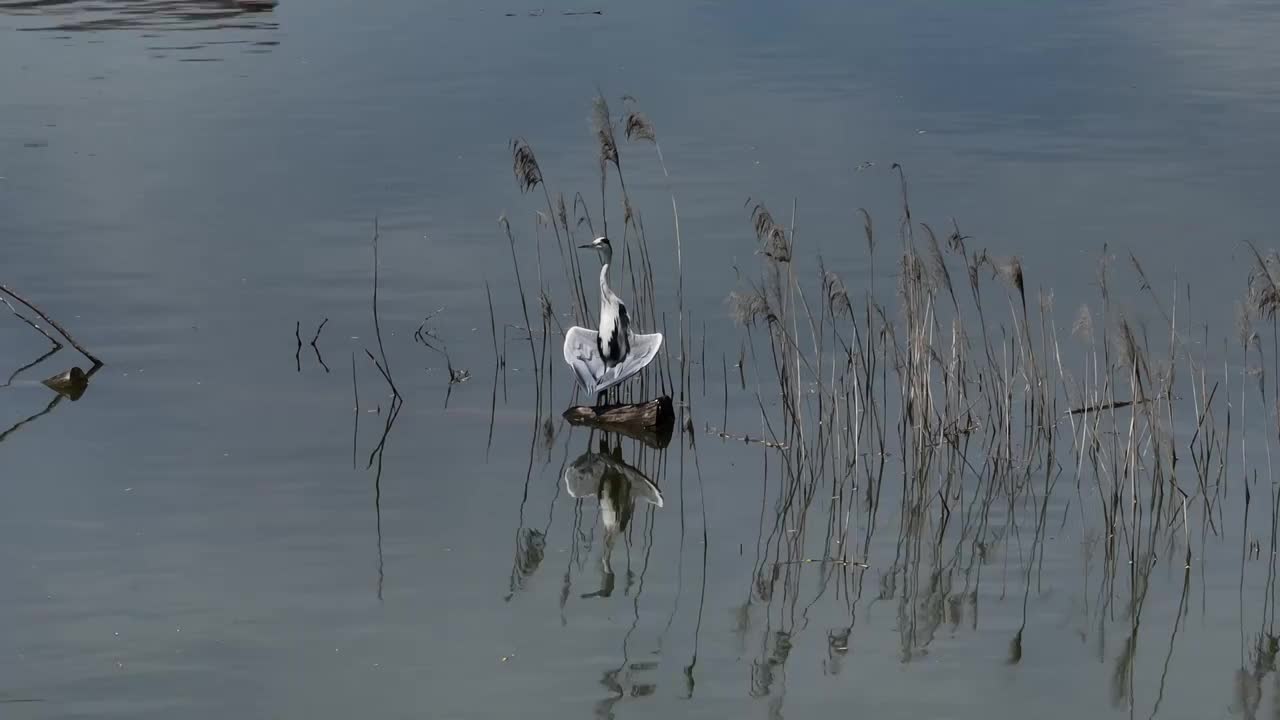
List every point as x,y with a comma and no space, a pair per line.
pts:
581,351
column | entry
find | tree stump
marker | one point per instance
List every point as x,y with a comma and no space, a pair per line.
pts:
649,422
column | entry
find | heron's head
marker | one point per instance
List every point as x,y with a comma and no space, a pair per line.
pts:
600,245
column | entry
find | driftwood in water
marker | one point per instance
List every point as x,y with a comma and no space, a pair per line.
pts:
71,383
649,422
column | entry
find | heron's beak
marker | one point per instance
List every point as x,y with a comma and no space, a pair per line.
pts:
586,247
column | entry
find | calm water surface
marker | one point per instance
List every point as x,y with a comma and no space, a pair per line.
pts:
183,182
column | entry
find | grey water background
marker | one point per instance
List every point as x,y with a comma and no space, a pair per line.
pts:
182,182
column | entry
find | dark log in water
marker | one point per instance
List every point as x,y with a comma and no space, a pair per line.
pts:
649,422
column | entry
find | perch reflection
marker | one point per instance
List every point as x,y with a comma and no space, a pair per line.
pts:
617,486
69,384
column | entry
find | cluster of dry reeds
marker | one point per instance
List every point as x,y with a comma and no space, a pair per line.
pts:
963,386
962,389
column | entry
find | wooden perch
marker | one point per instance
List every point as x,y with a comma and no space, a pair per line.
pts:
649,422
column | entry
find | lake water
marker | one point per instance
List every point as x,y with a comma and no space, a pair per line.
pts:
217,529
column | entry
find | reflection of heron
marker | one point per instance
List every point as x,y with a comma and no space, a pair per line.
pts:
617,485
606,358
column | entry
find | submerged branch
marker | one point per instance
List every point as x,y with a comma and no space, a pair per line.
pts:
53,323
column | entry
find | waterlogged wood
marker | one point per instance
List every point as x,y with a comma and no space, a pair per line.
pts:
649,422
71,383
647,415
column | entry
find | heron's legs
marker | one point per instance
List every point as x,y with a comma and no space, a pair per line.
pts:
600,398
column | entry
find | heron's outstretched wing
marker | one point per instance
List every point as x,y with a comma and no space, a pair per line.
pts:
582,354
644,348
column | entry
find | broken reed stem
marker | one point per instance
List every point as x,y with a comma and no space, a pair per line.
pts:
385,367
524,306
319,329
56,345
355,392
52,323
493,326
383,371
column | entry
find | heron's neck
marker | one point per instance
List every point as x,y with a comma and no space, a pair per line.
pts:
605,290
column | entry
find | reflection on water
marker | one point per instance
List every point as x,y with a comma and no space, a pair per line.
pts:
617,486
91,15
70,384
155,18
622,476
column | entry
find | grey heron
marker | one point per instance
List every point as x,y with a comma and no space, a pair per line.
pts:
606,357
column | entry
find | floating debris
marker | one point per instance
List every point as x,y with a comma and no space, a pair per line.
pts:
71,383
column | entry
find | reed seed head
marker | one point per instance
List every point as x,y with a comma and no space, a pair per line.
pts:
747,308
1082,328
525,165
602,123
1010,269
772,236
837,296
638,127
562,211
